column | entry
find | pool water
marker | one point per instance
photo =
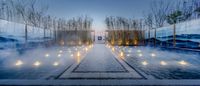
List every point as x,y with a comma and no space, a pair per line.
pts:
162,64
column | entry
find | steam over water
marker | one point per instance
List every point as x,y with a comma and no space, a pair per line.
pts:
37,63
162,64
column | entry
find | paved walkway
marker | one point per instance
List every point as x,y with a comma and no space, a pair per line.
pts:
100,63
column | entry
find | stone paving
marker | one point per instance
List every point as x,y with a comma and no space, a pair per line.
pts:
100,63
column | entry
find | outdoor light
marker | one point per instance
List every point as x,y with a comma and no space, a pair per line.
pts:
129,51
87,43
86,49
153,55
112,42
78,54
79,43
60,51
144,63
37,63
128,55
47,55
62,42
71,55
135,42
55,64
182,62
69,51
140,55
113,49
163,63
59,55
127,43
121,54
90,46
139,51
18,63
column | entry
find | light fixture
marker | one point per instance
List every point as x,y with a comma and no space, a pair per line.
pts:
121,54
128,55
47,55
60,51
163,63
139,51
182,62
144,63
113,49
59,55
18,63
78,54
55,64
140,55
37,63
153,54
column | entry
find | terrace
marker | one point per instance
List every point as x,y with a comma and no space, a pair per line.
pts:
159,48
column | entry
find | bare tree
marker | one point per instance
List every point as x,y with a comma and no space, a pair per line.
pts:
21,7
159,9
148,20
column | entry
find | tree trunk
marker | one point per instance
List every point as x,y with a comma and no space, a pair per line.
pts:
26,33
149,37
44,33
174,35
155,37
54,35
